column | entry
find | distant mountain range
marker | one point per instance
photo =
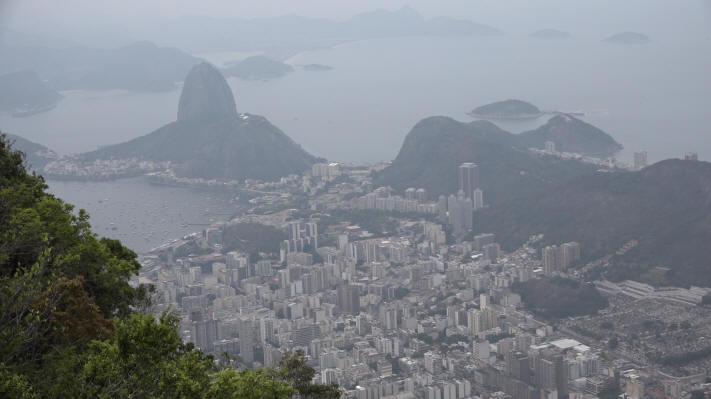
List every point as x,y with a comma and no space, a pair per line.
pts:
141,66
23,93
292,31
211,140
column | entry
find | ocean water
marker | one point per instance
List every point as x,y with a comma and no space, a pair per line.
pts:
142,215
652,97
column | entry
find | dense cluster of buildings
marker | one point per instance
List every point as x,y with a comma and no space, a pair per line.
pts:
407,312
74,168
455,209
557,258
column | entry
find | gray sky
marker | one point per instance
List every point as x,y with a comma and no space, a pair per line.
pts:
564,13
117,22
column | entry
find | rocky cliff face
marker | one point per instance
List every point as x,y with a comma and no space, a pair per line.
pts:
206,96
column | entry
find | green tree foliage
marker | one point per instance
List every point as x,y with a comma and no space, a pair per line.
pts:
14,386
59,283
559,298
249,384
145,359
252,238
293,369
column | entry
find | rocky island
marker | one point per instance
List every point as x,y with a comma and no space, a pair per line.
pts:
507,109
258,67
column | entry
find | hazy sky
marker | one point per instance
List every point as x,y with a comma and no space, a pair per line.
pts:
510,15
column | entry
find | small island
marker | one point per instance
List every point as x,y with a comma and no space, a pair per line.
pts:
507,109
628,38
258,67
550,34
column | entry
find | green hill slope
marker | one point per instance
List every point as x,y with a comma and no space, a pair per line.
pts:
436,146
665,207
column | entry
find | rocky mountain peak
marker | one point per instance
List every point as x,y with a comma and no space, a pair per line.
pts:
206,95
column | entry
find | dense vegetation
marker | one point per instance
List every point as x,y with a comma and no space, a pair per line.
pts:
252,238
559,298
665,207
432,152
73,327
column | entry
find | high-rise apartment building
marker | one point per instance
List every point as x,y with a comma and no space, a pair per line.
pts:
468,178
349,299
550,256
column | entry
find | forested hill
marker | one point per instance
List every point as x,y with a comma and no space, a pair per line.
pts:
665,207
72,327
436,146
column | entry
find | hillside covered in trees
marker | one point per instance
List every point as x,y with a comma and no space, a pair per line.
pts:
73,327
663,208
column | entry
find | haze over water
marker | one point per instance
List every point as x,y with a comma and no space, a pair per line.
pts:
648,97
